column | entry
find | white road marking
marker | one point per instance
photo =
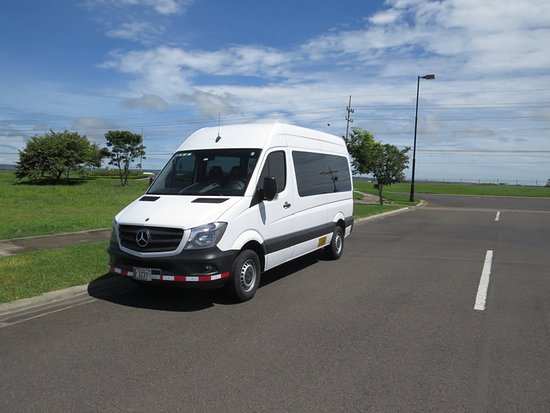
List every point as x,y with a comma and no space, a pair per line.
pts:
497,217
481,296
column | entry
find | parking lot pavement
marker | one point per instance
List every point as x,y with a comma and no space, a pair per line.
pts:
391,326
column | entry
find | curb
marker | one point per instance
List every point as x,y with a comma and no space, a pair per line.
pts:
389,213
51,297
14,312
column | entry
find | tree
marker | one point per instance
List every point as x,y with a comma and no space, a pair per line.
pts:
359,147
56,155
124,148
388,163
384,161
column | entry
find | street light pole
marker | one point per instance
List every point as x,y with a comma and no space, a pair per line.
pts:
427,77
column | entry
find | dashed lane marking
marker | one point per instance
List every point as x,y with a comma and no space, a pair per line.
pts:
481,296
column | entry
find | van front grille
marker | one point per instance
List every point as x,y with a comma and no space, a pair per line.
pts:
149,239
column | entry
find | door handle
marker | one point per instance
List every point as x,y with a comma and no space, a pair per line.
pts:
286,205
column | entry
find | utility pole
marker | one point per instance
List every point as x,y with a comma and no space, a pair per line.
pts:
141,159
348,118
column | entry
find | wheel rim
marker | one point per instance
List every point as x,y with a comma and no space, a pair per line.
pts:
338,243
247,277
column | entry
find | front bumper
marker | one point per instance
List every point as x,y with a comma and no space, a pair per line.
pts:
209,267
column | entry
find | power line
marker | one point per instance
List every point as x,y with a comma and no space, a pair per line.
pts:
367,116
446,106
495,151
458,118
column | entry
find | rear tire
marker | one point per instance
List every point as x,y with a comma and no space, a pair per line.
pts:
334,250
245,276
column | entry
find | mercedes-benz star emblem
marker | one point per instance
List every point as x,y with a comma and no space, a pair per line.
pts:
143,237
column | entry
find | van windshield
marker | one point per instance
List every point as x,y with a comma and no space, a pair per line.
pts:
222,172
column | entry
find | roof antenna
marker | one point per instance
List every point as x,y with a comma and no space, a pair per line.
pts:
219,137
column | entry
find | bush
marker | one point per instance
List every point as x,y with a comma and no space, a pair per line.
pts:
56,156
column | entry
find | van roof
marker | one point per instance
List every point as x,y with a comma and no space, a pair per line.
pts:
253,135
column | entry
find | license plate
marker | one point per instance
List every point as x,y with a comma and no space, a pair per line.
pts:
143,274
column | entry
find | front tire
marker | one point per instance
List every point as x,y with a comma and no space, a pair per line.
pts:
245,276
334,250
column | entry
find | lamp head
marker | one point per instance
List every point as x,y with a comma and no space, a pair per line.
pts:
428,77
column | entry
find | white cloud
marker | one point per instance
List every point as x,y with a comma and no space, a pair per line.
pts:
93,128
170,72
475,37
237,60
146,101
11,142
142,21
164,7
210,105
138,31
385,17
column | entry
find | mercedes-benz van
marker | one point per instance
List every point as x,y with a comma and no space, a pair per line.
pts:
233,202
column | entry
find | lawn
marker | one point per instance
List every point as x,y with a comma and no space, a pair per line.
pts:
29,210
33,273
50,209
460,189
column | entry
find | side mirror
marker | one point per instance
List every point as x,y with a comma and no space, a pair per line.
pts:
270,188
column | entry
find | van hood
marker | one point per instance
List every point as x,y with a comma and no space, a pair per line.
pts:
175,211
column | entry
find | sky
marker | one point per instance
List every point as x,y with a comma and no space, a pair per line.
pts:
165,68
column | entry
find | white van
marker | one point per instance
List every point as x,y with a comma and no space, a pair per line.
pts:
233,202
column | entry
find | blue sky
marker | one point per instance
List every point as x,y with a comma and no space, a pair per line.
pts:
169,67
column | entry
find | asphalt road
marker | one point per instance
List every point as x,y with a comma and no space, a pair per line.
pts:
391,327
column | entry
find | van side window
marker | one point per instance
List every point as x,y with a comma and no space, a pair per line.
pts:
318,173
275,166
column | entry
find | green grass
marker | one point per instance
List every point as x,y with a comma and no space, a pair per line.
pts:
460,189
33,273
363,211
397,195
392,202
29,210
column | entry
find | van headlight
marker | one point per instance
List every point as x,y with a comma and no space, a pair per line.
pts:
205,236
114,233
